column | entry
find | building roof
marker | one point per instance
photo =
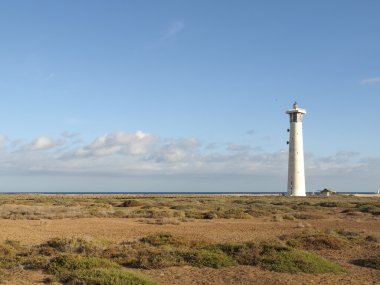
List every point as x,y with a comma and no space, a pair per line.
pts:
296,109
328,190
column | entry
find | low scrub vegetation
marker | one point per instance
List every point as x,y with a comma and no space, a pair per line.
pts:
77,269
75,245
371,208
180,207
69,259
372,262
3,275
276,257
295,260
86,261
327,239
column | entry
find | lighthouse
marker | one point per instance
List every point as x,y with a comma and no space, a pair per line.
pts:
296,168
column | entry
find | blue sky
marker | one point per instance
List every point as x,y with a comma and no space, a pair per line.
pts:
178,95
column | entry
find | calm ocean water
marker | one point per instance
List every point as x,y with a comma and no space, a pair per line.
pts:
170,193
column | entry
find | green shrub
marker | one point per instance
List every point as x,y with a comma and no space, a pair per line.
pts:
153,259
75,245
349,236
214,258
161,239
322,241
210,215
277,257
372,262
241,202
131,203
289,217
163,256
9,252
6,250
243,216
294,260
331,204
318,240
35,262
373,209
303,216
260,202
93,271
151,213
243,253
371,238
3,275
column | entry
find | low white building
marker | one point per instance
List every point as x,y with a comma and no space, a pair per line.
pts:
327,192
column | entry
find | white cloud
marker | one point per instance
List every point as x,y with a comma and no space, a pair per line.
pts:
70,135
372,80
179,150
119,143
140,153
174,29
41,143
3,140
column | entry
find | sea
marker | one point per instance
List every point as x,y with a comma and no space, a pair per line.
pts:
171,193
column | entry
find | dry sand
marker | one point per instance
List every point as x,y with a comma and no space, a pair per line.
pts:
218,230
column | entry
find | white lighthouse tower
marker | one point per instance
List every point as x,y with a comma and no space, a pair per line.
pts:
296,168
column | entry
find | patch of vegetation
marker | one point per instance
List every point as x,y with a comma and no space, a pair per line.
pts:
295,260
153,259
315,241
82,261
151,213
3,275
328,204
208,258
306,216
161,239
289,217
75,245
372,262
371,238
131,203
371,208
77,269
162,221
318,240
38,207
243,253
277,257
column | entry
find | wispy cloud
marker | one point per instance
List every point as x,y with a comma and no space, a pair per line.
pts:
372,80
70,135
120,143
143,154
41,143
174,29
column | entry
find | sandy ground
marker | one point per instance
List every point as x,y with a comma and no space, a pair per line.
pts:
219,230
240,275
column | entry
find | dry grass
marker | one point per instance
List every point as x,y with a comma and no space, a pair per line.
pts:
37,212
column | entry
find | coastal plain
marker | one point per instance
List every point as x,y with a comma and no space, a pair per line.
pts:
191,239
